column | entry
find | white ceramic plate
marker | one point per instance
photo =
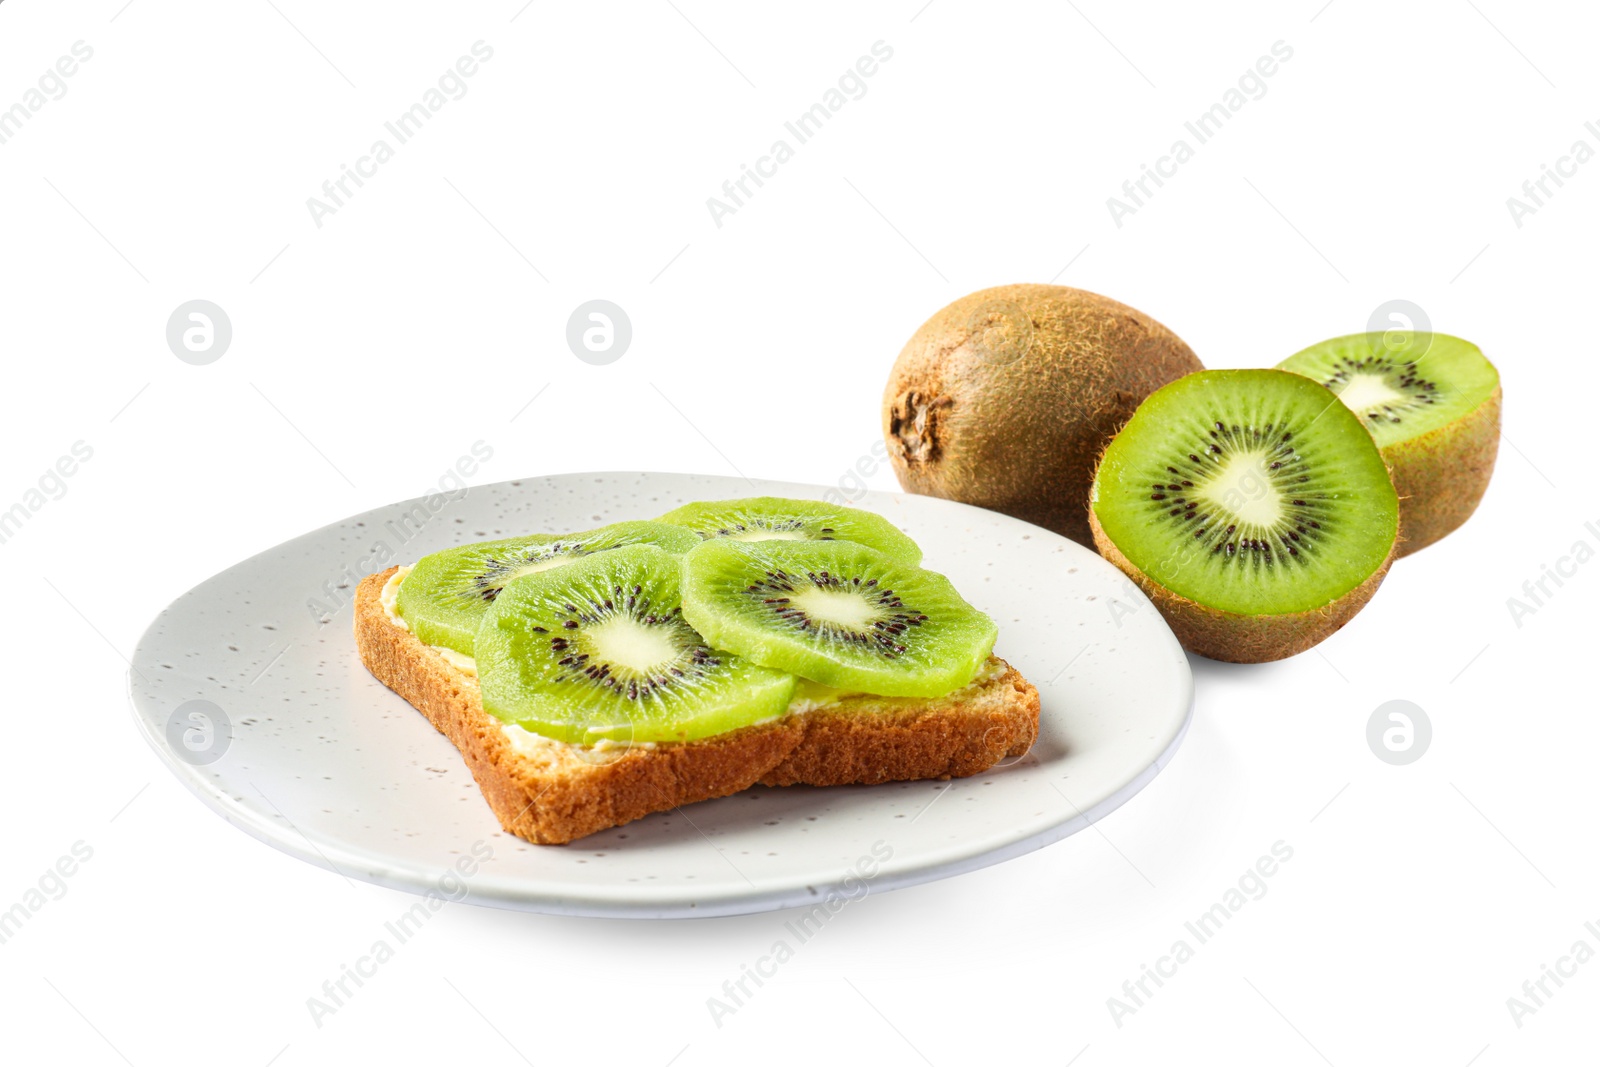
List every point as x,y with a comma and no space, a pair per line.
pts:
249,688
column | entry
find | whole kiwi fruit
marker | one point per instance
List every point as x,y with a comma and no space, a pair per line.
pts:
1006,398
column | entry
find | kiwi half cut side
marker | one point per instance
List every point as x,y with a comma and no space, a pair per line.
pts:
1252,507
599,650
775,518
1432,402
445,596
837,613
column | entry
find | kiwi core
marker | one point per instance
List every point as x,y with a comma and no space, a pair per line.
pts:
1367,392
837,607
758,533
1243,488
630,644
498,573
542,565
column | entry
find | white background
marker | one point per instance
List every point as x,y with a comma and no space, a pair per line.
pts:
370,353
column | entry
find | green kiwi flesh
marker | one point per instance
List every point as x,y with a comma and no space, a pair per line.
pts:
772,518
1432,403
1251,506
599,650
445,596
836,613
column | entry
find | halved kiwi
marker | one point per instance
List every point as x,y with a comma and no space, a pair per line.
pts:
445,596
1251,506
776,518
600,650
1432,402
838,613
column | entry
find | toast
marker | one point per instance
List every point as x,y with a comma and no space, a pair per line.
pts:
550,792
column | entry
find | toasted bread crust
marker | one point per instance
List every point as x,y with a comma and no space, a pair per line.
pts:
560,793
900,740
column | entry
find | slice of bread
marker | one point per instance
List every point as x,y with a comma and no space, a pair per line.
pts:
550,792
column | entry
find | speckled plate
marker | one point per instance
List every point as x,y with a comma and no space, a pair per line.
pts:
249,688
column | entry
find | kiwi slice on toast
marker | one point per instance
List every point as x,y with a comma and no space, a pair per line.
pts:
1432,402
600,650
775,518
838,613
1251,506
444,597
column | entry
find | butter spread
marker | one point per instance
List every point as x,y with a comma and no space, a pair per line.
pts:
391,593
527,743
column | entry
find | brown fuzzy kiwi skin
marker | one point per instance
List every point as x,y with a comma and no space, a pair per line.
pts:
1234,638
1441,476
1022,433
